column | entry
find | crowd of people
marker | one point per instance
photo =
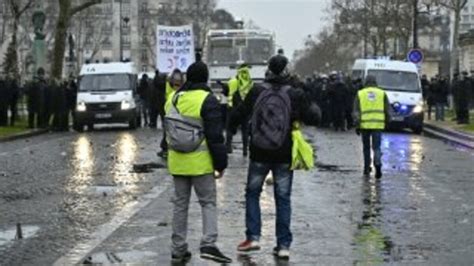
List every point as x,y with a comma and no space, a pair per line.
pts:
334,94
49,102
438,90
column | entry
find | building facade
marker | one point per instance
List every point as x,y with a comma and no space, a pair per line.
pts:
111,31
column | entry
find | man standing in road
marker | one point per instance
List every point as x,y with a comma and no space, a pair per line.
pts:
156,98
143,91
198,167
462,90
273,107
371,115
337,96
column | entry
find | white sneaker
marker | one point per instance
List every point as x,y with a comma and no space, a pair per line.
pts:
283,254
269,179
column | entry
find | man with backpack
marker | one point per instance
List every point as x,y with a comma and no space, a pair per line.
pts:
196,156
273,108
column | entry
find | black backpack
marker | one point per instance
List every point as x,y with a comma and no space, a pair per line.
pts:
271,117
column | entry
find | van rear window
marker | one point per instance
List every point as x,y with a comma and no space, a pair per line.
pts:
396,80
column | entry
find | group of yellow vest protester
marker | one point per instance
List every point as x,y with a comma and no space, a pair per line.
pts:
199,162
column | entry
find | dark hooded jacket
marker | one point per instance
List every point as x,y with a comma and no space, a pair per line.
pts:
302,110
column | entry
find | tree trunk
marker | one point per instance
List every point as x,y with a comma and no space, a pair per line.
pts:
455,48
60,39
66,12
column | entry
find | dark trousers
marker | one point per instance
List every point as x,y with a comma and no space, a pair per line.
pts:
283,182
163,144
32,118
3,115
153,116
244,127
372,139
463,114
338,118
349,119
14,112
430,109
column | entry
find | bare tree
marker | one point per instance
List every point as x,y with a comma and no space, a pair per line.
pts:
456,7
92,31
17,9
66,12
375,22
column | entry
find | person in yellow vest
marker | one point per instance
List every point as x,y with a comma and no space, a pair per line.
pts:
199,168
372,114
239,88
173,83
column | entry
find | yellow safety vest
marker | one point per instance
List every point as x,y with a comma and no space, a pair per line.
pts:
372,108
233,87
169,90
198,162
245,82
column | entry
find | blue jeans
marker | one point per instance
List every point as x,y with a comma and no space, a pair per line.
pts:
283,180
376,137
439,107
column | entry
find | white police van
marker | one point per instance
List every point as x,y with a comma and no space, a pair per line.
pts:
106,94
401,82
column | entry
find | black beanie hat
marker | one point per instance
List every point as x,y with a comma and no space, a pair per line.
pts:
197,73
277,64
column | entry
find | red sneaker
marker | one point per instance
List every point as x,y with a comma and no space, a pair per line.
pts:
248,245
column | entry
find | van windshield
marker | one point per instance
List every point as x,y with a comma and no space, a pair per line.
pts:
396,80
106,82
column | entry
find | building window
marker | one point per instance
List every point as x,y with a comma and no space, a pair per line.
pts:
144,7
144,56
126,41
465,18
144,40
106,44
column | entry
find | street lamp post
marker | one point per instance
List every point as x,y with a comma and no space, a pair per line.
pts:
415,24
121,24
120,32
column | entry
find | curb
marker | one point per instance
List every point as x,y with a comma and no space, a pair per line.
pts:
459,138
27,134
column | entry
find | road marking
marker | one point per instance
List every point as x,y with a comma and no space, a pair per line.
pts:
81,250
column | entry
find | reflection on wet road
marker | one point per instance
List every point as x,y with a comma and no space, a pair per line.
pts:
67,186
126,150
82,163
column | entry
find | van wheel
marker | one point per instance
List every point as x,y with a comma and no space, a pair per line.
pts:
417,130
132,124
78,127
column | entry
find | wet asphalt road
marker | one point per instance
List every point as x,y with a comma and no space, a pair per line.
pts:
65,188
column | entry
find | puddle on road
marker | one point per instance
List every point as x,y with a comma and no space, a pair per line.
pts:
331,168
146,167
372,247
106,258
105,189
8,236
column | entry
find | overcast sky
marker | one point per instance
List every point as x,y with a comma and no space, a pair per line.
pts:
291,20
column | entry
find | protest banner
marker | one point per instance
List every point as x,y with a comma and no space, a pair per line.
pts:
175,48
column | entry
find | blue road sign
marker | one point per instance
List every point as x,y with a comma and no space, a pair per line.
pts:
415,56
